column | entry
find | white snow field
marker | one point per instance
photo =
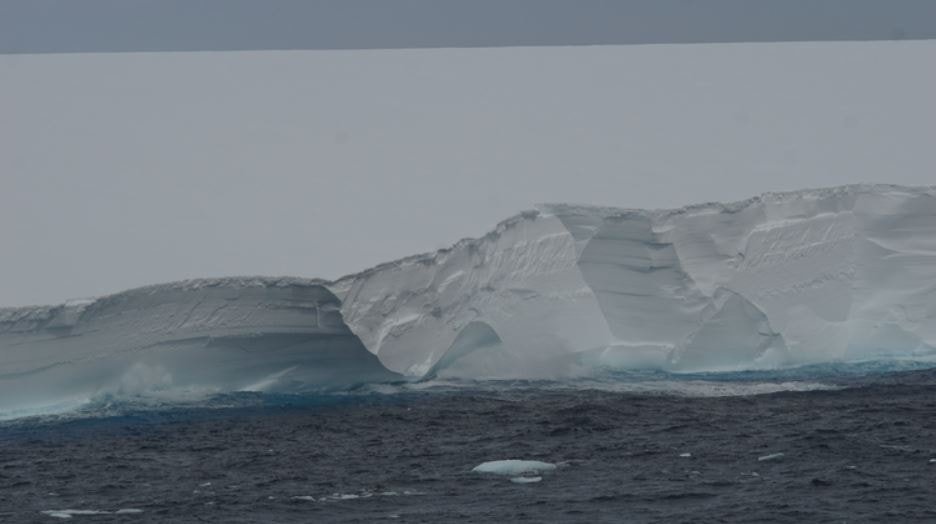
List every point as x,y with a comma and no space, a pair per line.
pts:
826,275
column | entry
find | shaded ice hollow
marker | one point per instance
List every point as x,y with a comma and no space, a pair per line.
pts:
845,273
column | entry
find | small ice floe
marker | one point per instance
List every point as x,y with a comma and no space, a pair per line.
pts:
932,461
685,455
772,456
70,513
337,497
514,468
525,480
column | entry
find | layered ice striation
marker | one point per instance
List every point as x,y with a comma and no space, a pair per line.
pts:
213,336
811,276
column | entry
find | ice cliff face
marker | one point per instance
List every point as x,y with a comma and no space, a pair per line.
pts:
781,279
213,335
784,278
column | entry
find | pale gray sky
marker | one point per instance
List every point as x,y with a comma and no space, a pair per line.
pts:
118,170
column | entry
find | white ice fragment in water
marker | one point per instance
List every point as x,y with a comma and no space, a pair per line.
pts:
513,468
772,456
338,497
685,455
69,513
932,461
525,480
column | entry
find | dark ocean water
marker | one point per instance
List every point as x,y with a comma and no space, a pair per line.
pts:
856,447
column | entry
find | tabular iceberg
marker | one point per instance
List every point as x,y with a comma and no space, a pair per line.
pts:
213,335
780,279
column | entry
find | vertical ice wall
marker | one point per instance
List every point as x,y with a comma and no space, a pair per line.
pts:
521,279
785,278
209,336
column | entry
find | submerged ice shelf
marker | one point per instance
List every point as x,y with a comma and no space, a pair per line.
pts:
806,277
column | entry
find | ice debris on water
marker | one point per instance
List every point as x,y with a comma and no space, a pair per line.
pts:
70,513
513,467
525,480
772,456
685,455
338,497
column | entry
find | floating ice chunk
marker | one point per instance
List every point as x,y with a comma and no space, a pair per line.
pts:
69,513
772,456
932,461
685,455
525,480
338,497
513,468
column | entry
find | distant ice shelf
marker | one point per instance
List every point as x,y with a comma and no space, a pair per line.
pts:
813,276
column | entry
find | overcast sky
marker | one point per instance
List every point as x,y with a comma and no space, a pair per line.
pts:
186,25
119,170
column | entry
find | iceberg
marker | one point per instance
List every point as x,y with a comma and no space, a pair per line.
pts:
795,278
782,279
210,335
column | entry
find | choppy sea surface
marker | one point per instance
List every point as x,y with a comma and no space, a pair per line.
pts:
832,443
